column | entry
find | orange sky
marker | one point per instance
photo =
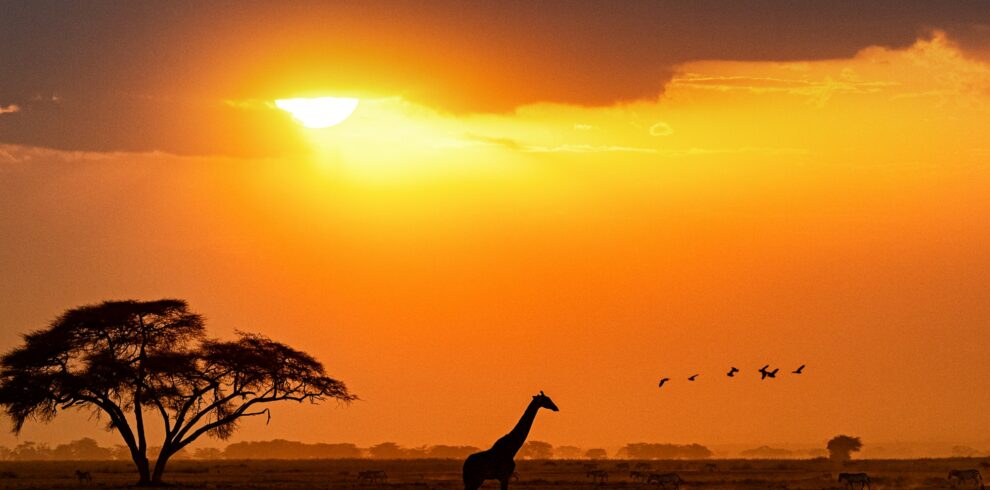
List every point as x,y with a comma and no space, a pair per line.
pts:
447,264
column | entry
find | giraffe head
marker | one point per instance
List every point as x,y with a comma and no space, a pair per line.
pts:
544,401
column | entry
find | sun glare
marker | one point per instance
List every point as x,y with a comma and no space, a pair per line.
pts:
321,112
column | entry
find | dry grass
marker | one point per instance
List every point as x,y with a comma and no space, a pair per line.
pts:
445,474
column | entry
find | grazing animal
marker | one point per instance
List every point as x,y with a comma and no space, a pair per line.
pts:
732,372
638,475
664,479
599,476
372,476
764,374
662,381
84,476
691,378
962,476
852,478
711,467
498,462
798,370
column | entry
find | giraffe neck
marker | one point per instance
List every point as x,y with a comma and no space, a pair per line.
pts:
513,441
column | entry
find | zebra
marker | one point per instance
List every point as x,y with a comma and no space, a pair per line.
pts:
372,476
84,476
638,475
600,476
663,479
852,478
962,476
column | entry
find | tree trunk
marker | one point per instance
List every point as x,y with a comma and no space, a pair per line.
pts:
144,473
156,475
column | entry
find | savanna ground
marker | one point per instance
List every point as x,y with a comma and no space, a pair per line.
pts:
446,474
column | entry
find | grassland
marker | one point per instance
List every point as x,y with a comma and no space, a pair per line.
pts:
445,474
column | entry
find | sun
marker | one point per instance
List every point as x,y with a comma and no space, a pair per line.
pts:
320,112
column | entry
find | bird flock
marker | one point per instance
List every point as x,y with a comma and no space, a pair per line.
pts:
765,372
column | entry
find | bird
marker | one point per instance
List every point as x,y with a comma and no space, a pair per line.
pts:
691,378
662,381
732,372
764,374
798,370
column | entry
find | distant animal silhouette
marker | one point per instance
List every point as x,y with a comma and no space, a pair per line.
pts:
852,478
664,479
84,476
643,466
622,466
798,370
732,372
711,467
599,476
764,374
691,378
498,462
636,475
372,476
962,476
662,381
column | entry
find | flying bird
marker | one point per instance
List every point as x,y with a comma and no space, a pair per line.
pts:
732,372
798,370
662,381
691,378
764,374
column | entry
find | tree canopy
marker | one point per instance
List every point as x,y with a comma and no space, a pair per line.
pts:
841,447
536,450
126,360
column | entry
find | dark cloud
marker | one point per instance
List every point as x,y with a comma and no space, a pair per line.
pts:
118,75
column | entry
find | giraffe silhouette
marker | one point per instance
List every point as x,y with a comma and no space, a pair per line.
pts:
497,463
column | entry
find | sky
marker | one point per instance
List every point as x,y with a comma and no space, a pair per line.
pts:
578,198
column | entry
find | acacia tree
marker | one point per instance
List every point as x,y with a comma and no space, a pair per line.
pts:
841,447
131,360
536,450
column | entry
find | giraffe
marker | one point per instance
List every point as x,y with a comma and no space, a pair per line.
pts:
497,463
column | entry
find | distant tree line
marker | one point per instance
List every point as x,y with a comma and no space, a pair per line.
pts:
89,449
767,452
85,449
642,450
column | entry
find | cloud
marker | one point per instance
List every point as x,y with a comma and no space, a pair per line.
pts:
818,91
10,109
661,129
507,143
729,95
582,148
